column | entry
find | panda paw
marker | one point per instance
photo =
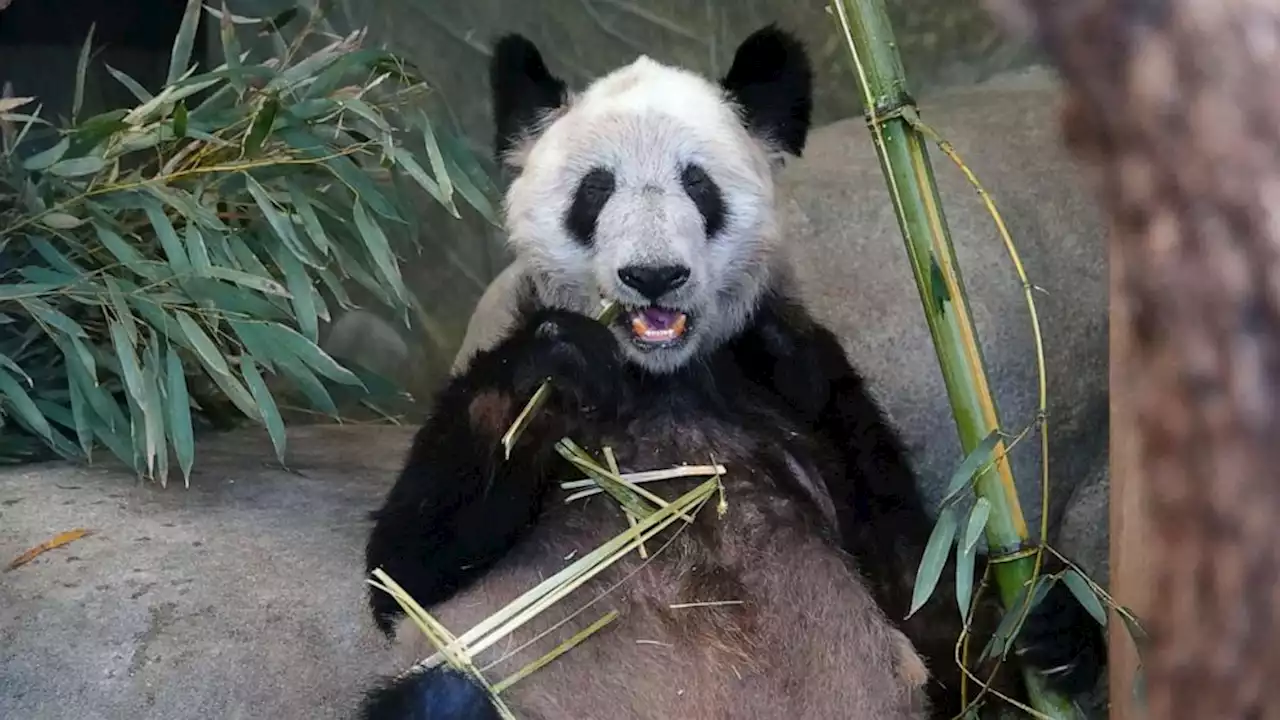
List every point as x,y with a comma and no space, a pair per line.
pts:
1064,643
579,356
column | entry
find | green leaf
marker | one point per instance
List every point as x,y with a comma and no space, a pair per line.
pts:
438,165
133,85
311,386
157,450
197,251
310,353
375,241
50,316
310,223
123,251
935,557
281,224
186,205
230,43
48,156
216,364
977,523
60,221
1010,622
266,405
976,459
405,160
310,146
253,282
205,348
180,59
82,72
180,119
179,405
121,308
80,416
7,362
467,188
1085,595
261,127
168,237
964,580
78,167
302,293
129,367
54,257
20,401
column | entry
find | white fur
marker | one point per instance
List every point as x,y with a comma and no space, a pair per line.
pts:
645,122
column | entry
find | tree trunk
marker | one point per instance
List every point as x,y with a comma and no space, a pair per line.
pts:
1176,103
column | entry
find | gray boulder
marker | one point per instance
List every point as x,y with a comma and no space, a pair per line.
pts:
848,254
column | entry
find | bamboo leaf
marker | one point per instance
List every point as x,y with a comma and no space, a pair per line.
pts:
230,44
438,166
78,167
302,294
965,559
935,557
168,237
1085,595
60,221
80,415
281,224
309,353
976,459
128,360
977,523
20,402
82,72
266,405
204,347
253,282
261,127
180,58
180,119
132,85
15,368
157,452
49,156
179,406
307,214
52,317
379,248
406,160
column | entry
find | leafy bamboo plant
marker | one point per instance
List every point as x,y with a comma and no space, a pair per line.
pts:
168,262
900,139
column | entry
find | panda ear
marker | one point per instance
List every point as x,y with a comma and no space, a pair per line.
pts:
771,80
524,91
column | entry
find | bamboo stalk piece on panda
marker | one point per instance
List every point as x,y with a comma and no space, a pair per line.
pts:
607,315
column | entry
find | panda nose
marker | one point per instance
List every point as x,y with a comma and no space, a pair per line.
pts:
654,281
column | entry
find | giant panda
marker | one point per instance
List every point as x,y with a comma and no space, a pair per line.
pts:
653,188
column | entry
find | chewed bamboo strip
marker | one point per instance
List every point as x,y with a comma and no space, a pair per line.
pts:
510,618
638,478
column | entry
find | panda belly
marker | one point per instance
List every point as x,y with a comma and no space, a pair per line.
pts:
753,614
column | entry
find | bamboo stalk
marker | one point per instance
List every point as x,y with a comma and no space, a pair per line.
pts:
904,159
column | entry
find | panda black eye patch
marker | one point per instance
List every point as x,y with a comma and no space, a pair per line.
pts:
594,190
706,197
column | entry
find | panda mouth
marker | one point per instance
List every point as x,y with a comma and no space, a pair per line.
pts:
657,326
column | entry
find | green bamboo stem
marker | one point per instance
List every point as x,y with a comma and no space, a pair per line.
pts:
904,159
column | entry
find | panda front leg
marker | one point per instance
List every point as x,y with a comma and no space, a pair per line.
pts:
883,517
459,505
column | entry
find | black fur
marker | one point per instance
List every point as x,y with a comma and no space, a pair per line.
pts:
706,196
458,506
523,89
594,190
437,694
771,80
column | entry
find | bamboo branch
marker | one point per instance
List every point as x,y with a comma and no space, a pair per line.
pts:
904,159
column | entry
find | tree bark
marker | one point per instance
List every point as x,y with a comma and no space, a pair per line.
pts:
1176,103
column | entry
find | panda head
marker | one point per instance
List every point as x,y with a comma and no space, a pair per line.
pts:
652,187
